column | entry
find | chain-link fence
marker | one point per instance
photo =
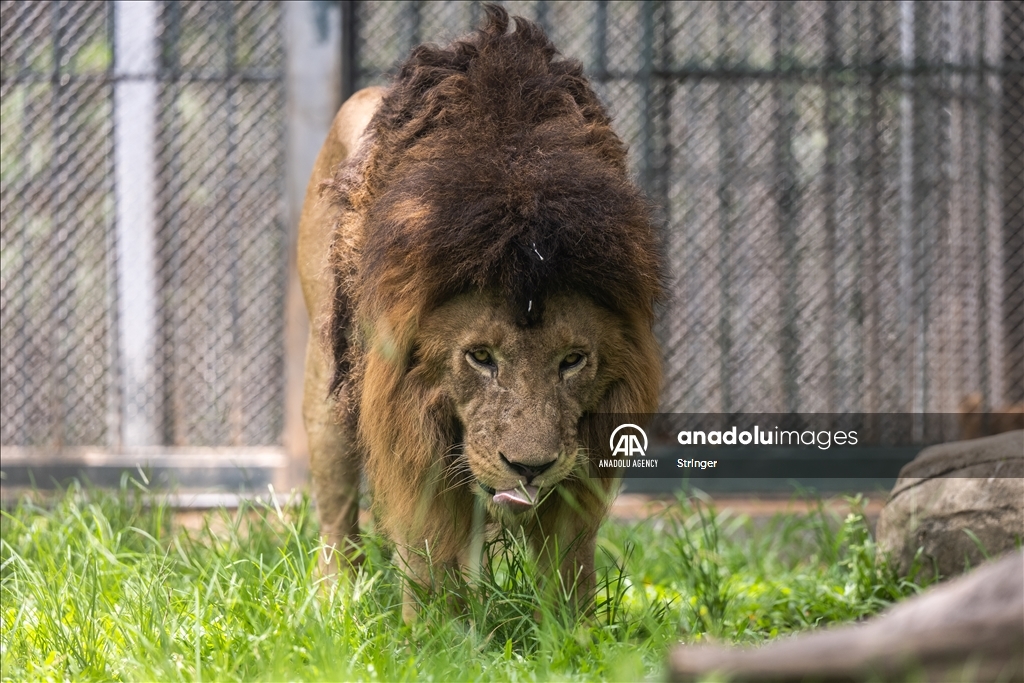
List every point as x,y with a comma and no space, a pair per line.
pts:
144,240
841,183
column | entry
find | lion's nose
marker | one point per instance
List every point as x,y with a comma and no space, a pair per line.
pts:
528,471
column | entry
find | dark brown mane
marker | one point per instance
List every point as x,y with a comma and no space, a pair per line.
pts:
491,164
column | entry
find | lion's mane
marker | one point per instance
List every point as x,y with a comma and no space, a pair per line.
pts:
490,164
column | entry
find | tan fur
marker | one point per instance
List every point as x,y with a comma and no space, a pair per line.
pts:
976,422
391,386
333,449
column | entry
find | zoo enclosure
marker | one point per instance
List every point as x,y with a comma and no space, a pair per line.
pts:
841,185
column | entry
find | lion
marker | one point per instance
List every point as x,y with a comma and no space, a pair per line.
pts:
482,276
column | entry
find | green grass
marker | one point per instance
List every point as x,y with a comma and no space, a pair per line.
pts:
102,586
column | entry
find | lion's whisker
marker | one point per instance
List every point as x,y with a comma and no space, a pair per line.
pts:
458,483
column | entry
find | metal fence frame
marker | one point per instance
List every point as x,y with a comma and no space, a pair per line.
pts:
139,81
326,60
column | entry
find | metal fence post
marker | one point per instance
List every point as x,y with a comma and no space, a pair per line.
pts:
313,35
349,34
1013,196
135,92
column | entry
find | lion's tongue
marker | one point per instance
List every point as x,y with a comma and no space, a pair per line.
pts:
517,499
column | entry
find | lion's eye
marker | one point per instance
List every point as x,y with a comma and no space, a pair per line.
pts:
571,360
481,357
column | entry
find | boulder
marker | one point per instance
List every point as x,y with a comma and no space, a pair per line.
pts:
958,503
968,629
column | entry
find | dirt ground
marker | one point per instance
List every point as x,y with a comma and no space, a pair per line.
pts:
636,506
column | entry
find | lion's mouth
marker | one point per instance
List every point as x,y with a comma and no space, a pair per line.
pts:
516,500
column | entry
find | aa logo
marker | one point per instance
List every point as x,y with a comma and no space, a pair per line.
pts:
629,441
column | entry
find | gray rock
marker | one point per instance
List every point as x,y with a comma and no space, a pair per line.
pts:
969,629
953,498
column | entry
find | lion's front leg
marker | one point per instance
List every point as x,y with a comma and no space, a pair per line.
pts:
424,574
335,462
564,543
566,562
416,574
431,531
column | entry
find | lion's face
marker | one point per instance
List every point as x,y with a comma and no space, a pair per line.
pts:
518,392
